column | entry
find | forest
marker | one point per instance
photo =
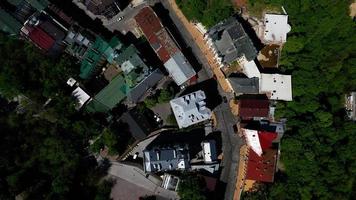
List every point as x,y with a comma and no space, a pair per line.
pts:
208,12
44,140
318,150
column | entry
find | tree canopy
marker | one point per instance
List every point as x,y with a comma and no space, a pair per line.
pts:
43,146
191,188
208,12
318,151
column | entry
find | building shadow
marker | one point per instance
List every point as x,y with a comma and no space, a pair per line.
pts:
167,22
210,88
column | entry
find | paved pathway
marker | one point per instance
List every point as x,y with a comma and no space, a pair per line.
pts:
139,179
225,120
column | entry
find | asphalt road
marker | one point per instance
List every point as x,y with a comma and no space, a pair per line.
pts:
189,40
231,142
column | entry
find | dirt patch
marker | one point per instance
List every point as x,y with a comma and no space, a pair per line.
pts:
353,9
268,57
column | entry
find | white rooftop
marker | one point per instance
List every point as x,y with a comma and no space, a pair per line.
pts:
190,109
179,68
209,151
81,96
277,86
71,81
253,140
250,69
276,28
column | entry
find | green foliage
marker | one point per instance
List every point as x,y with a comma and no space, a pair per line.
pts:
36,76
318,151
208,12
161,96
110,139
43,148
150,102
165,96
104,190
190,188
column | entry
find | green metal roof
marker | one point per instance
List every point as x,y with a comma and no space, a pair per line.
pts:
97,52
38,4
8,23
95,106
113,93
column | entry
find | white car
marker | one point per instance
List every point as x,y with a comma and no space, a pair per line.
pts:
120,18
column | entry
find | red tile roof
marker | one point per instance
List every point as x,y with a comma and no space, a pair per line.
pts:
41,38
249,108
261,168
266,139
156,34
148,21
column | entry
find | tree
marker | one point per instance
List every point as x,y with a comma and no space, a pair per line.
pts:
43,147
190,188
316,152
208,12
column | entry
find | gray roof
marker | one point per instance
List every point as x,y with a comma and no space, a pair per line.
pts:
135,129
179,68
139,91
244,85
231,41
166,158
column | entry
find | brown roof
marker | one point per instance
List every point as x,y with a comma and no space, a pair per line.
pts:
261,168
148,21
249,108
160,40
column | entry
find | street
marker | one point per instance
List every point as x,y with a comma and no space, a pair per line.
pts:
231,142
226,120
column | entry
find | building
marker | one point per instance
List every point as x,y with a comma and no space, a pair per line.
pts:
209,151
244,85
45,32
170,182
190,109
99,53
101,8
138,124
253,108
78,43
276,86
8,23
276,127
261,168
165,47
350,105
138,92
230,42
167,158
262,155
276,28
109,96
81,96
250,69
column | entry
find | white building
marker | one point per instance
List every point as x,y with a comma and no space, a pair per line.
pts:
209,151
250,69
276,86
276,28
253,140
81,96
190,109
